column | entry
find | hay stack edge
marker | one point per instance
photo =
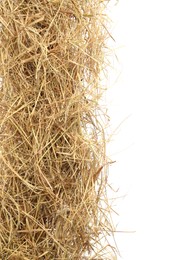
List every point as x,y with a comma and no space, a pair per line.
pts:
53,163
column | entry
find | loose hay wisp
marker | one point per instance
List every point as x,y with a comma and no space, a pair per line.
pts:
53,166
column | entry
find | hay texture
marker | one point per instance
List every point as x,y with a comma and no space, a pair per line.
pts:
53,167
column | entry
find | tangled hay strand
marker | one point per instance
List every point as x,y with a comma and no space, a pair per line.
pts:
53,166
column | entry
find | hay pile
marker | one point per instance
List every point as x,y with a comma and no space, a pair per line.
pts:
53,167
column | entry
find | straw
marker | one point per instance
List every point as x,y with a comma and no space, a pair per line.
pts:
53,164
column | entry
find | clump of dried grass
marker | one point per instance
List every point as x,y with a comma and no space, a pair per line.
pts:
53,169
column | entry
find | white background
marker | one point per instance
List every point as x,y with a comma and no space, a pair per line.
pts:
146,99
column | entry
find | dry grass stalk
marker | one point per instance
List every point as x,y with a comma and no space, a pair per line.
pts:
53,166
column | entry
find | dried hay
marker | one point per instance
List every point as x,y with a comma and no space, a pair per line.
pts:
53,166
